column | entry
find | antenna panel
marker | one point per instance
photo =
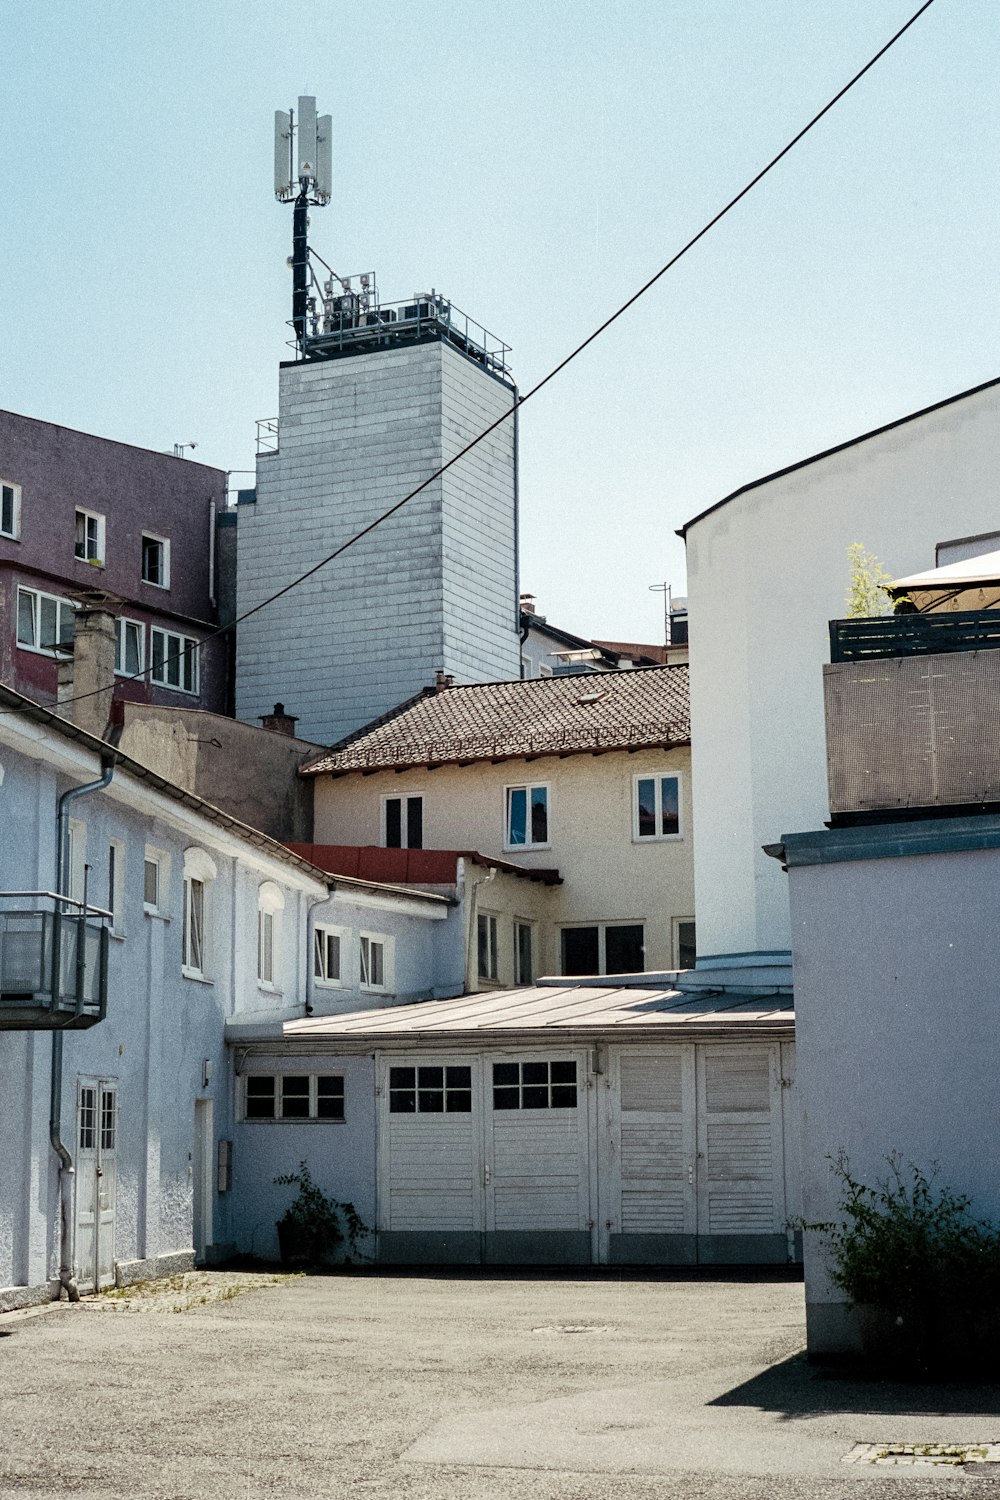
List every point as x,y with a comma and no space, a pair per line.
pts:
307,137
324,156
282,152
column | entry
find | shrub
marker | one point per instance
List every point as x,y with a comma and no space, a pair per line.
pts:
314,1225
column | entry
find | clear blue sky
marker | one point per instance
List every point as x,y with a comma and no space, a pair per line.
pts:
535,162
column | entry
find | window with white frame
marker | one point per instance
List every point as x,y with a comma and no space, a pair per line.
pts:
534,1085
130,647
524,968
375,951
486,934
155,560
199,874
435,1089
44,623
526,819
293,1096
270,903
76,865
10,510
656,807
116,886
403,822
174,660
604,948
89,545
154,881
329,953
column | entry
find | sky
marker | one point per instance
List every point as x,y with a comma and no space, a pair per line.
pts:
535,162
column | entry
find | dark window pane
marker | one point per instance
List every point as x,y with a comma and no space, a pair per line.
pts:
415,822
539,815
517,815
393,823
431,1078
535,1072
506,1073
329,1106
260,1098
580,950
535,1098
460,1078
623,950
564,1096
524,973
670,804
563,1072
402,1078
402,1102
295,1098
678,630
646,796
506,1098
431,1102
685,945
459,1101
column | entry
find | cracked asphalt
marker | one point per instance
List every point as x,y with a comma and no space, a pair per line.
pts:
478,1386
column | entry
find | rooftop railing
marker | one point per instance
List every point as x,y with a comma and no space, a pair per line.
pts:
915,634
53,962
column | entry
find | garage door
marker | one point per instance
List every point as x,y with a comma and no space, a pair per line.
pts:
485,1160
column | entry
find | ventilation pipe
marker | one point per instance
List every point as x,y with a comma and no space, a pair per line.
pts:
67,1171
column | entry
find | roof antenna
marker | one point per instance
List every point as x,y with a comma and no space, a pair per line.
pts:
302,176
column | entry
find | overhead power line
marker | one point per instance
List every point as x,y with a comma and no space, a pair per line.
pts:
539,385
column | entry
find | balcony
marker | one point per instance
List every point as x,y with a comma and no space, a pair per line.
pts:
933,633
53,962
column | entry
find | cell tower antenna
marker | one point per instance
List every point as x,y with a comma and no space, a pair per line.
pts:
303,169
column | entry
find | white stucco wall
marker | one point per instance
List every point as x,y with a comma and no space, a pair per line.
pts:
895,964
766,573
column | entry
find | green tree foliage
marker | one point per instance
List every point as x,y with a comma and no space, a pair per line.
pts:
866,595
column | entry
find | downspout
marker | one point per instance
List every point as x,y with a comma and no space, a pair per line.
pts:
471,946
67,1172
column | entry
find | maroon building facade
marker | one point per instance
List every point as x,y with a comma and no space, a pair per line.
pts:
82,516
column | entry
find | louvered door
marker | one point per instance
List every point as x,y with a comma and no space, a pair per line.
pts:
740,1168
656,1142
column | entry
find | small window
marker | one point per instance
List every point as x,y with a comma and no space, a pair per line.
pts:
487,944
327,949
44,623
373,962
527,817
265,947
89,545
154,881
684,942
604,948
294,1096
193,926
130,647
116,886
174,661
88,1118
403,822
657,809
431,1090
524,972
10,510
534,1085
155,560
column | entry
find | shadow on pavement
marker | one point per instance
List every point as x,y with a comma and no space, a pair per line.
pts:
797,1388
738,1275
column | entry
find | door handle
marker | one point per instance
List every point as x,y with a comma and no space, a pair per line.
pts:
486,1175
691,1175
100,1171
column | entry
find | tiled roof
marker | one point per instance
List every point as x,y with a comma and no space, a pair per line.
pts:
539,716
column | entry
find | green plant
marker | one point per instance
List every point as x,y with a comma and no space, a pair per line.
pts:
313,1224
867,595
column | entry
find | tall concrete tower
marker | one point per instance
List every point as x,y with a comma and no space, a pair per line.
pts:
379,396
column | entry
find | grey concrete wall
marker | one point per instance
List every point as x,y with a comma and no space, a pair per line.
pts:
434,587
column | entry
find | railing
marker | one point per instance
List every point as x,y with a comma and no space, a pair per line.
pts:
348,327
267,435
53,962
915,634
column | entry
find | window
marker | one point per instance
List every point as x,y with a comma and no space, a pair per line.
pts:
524,972
487,944
154,881
174,661
604,948
116,886
375,962
534,1085
527,817
294,1096
327,949
657,808
684,942
90,536
430,1091
199,873
155,560
270,903
10,510
130,647
44,623
402,822
76,865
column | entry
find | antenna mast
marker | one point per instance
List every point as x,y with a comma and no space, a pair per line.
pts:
303,169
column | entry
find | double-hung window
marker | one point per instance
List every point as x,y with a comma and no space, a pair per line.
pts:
155,560
44,623
376,961
527,817
174,660
10,510
89,544
402,822
487,945
130,647
328,954
656,812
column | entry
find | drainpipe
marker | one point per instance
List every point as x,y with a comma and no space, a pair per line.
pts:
471,946
67,1172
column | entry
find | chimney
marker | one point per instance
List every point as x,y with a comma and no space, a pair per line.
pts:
86,680
442,681
278,722
527,604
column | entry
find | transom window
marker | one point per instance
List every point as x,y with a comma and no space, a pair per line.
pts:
534,1085
604,948
155,560
130,647
403,822
527,817
44,623
89,544
657,808
174,660
10,510
294,1096
487,945
327,949
430,1090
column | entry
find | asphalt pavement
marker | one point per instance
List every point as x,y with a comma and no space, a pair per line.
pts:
461,1387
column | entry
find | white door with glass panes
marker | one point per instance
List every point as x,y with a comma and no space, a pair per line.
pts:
96,1181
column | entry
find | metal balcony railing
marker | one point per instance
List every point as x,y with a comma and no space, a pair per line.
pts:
53,962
